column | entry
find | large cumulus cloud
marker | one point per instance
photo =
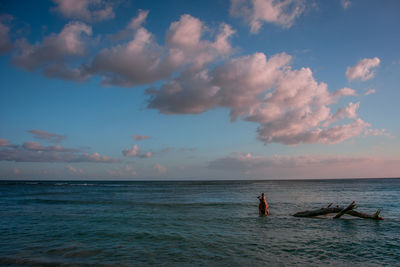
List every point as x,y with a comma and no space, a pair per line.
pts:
142,60
289,105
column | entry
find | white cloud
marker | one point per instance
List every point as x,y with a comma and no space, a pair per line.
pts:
257,12
363,69
88,10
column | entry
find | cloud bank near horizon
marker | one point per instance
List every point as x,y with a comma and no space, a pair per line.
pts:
36,152
306,166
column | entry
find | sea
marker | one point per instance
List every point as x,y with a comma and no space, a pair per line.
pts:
196,223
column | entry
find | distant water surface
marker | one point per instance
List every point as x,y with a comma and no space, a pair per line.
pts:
196,223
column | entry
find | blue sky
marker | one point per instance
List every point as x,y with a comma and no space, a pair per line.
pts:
254,89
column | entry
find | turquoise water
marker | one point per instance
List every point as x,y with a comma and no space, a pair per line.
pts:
196,223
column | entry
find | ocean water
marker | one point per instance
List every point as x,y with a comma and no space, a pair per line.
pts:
212,223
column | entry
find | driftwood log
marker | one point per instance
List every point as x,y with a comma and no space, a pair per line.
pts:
340,211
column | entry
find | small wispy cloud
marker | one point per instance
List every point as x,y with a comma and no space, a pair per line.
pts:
140,137
52,137
370,91
134,152
345,4
363,70
160,169
35,152
73,170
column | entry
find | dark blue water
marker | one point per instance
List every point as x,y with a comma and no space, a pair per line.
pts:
196,223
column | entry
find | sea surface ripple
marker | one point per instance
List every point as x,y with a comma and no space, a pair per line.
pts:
210,223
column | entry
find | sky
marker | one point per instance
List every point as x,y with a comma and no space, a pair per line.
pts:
193,90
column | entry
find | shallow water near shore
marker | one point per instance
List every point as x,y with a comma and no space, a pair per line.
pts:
196,223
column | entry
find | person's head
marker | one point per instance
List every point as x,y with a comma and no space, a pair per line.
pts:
262,194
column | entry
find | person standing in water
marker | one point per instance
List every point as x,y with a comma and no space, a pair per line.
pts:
263,208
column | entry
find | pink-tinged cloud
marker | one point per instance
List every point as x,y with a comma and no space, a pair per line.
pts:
363,70
257,12
137,62
134,152
370,91
186,46
88,10
16,171
73,170
125,172
35,152
4,142
160,169
129,170
142,61
140,137
135,24
52,54
333,135
36,146
290,106
5,43
307,166
52,137
343,92
345,4
131,152
146,155
377,132
345,112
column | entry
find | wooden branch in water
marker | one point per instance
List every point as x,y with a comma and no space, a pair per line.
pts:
343,211
337,209
363,215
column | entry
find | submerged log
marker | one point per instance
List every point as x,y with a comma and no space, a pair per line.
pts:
343,211
338,210
363,215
